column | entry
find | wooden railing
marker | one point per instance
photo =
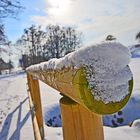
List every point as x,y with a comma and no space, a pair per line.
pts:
78,122
81,113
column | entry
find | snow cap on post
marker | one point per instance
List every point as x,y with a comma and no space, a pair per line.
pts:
96,76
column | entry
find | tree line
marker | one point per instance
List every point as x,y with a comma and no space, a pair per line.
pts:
53,42
8,9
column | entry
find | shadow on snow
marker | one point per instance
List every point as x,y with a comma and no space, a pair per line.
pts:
20,123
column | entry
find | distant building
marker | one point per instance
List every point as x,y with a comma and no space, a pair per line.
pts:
4,65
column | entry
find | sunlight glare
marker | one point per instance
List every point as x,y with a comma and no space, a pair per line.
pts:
58,7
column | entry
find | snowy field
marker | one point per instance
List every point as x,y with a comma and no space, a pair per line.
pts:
15,119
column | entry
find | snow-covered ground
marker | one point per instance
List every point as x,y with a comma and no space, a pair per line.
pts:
15,119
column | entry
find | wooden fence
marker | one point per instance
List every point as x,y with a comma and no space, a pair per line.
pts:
78,122
81,115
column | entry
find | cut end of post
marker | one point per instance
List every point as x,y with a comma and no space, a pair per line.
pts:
87,98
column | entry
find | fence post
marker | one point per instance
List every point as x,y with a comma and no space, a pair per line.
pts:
35,107
79,123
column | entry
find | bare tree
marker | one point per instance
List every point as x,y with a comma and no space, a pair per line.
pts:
33,40
61,40
2,35
34,37
9,8
55,42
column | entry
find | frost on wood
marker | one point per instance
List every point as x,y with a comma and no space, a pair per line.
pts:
105,67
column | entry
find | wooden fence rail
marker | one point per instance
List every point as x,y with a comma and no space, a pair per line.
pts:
81,112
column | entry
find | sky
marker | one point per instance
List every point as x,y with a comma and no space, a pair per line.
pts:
94,18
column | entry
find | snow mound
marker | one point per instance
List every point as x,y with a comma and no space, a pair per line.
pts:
105,68
136,124
135,51
52,116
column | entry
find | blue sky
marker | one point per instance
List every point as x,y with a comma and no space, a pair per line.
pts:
14,27
95,19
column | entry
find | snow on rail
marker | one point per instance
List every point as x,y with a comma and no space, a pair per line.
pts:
105,67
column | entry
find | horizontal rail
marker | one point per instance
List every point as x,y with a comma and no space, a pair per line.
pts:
73,84
96,79
96,76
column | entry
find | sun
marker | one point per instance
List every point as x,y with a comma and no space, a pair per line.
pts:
58,7
57,3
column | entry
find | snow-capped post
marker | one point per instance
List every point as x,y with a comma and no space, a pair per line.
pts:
96,77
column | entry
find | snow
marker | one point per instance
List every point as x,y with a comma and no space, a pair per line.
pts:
105,68
135,67
15,121
131,111
135,50
121,118
127,115
51,116
122,133
106,56
136,124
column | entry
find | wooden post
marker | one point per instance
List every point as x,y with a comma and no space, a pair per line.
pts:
35,107
79,123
